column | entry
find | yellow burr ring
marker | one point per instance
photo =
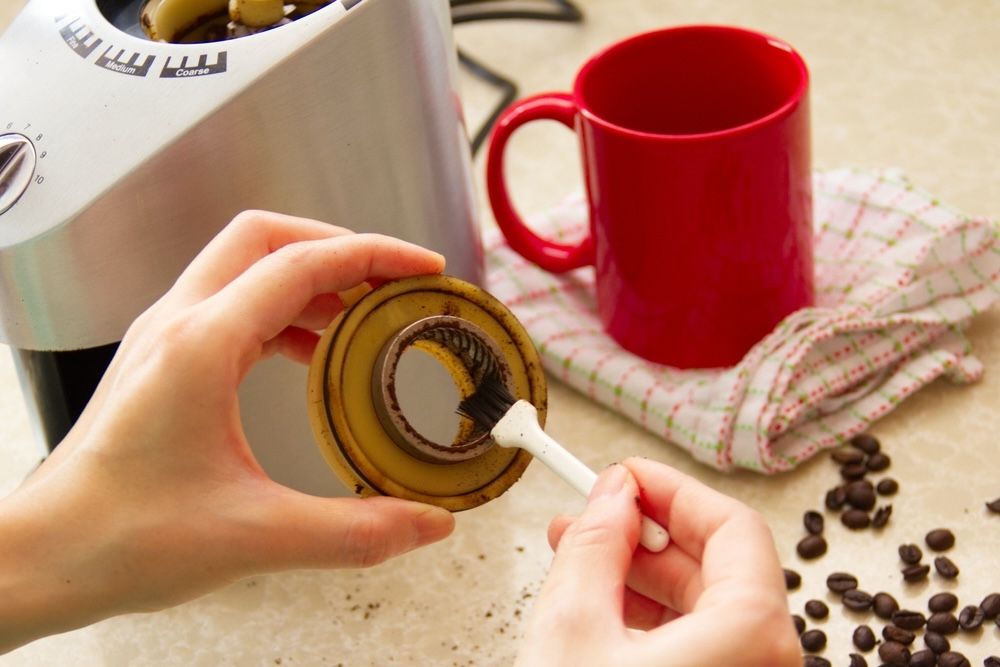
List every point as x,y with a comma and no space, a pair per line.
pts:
356,419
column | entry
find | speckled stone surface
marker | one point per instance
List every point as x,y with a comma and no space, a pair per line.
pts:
913,85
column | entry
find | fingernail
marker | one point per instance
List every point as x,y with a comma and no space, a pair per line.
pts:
433,524
610,482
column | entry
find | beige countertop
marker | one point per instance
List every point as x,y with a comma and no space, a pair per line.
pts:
913,85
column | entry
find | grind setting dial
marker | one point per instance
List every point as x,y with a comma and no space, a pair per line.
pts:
17,165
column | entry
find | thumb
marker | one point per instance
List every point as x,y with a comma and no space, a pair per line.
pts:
313,532
587,578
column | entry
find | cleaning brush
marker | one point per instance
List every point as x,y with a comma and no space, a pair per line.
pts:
514,423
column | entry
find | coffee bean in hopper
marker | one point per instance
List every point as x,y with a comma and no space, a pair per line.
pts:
945,567
893,653
887,487
908,620
799,623
991,661
856,600
916,572
940,539
815,661
994,506
853,471
953,659
910,554
792,579
884,605
868,444
846,455
811,546
943,623
861,495
855,519
813,640
864,638
817,609
878,462
923,658
971,617
942,602
840,582
835,498
813,521
936,642
991,605
858,661
881,516
896,634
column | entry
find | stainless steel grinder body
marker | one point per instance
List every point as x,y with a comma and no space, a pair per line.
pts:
121,157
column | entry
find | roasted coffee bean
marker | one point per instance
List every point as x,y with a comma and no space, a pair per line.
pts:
916,572
811,546
881,516
835,498
856,600
945,567
884,605
936,642
893,653
943,623
908,620
839,582
940,539
991,605
855,519
923,658
844,455
994,506
813,521
991,661
971,617
887,487
864,638
817,609
878,462
858,661
893,633
792,579
869,444
953,659
942,602
815,661
813,640
861,495
799,623
910,554
853,471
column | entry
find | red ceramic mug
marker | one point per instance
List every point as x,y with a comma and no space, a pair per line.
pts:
695,145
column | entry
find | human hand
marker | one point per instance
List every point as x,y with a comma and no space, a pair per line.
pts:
715,596
155,497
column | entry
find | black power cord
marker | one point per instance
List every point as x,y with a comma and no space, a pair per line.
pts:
466,11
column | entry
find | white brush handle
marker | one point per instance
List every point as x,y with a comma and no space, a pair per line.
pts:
520,428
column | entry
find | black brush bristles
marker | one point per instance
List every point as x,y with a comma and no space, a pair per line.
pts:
488,404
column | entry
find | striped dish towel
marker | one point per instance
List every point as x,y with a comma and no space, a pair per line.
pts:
898,276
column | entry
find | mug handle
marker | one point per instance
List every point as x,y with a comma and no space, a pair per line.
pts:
551,256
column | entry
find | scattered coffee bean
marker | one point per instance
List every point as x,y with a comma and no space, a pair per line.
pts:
923,658
991,605
887,487
953,659
861,495
942,602
943,623
994,506
856,600
936,642
991,661
817,609
813,521
878,462
853,471
811,546
855,519
813,640
799,623
815,661
864,638
971,617
881,516
910,553
869,444
940,539
844,455
840,582
893,653
893,633
909,620
858,661
792,579
916,572
884,605
945,567
835,498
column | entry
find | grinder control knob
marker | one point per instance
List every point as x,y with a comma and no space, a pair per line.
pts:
17,166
